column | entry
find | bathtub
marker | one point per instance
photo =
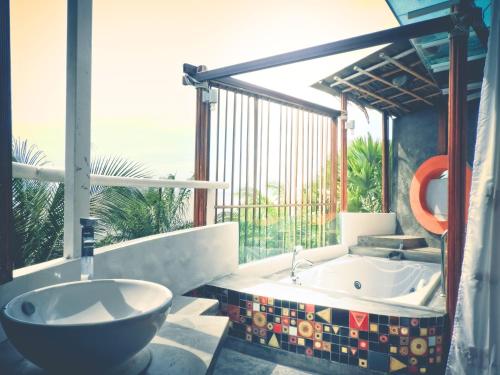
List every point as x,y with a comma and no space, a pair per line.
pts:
393,281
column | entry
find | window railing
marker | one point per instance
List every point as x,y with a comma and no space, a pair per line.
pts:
280,159
128,208
50,174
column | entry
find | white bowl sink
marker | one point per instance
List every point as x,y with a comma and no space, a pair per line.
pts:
86,326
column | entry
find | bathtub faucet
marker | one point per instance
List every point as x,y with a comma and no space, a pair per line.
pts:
297,263
396,255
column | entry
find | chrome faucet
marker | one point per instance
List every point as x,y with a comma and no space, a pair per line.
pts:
297,263
396,255
444,241
88,244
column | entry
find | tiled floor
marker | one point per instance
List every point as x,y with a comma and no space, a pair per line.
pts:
231,362
240,358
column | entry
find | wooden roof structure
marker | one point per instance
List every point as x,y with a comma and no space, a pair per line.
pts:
392,79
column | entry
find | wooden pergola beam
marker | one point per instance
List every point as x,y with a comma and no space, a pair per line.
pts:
407,69
402,93
428,96
376,66
6,226
367,92
391,85
384,75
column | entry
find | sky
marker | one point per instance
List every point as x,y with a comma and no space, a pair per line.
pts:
140,109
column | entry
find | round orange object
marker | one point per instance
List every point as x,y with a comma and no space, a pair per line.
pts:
430,169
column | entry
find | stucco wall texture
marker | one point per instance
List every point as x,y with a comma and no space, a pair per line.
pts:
414,140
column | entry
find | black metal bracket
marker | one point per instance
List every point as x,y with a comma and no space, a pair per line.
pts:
461,23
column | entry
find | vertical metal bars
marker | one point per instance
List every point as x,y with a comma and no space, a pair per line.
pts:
281,160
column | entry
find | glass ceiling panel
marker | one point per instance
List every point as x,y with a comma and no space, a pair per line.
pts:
433,49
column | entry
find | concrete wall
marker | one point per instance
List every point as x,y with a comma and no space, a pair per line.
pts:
414,141
354,224
181,261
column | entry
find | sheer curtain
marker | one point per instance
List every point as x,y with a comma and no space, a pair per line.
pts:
475,346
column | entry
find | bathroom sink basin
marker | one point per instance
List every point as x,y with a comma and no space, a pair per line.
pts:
86,327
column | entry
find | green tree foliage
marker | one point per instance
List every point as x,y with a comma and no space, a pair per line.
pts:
125,213
364,171
266,232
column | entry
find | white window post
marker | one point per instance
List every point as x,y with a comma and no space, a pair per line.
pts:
78,81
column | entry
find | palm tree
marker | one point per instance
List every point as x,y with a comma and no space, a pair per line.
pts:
364,168
38,211
124,212
146,212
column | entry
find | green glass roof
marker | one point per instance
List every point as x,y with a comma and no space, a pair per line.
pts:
410,11
433,49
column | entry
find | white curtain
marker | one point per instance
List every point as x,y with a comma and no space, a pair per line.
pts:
475,346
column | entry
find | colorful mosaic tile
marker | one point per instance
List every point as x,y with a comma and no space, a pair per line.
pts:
399,345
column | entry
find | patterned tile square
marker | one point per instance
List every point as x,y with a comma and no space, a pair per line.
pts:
378,361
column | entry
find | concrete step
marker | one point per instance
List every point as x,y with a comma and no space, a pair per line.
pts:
423,254
185,344
183,305
393,241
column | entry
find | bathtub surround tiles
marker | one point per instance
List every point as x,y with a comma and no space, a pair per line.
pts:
400,345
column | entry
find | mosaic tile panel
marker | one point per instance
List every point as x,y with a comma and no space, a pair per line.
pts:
397,345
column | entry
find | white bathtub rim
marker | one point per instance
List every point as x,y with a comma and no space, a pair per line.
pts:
421,296
278,263
319,297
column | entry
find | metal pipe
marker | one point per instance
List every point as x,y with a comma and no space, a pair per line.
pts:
233,150
225,153
255,160
50,174
246,88
217,152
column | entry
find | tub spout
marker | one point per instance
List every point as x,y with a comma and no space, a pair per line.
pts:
298,263
396,255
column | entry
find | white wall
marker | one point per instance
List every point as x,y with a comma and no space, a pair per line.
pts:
180,260
354,224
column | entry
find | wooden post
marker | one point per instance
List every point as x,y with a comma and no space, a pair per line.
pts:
385,162
457,127
343,145
77,165
202,155
6,218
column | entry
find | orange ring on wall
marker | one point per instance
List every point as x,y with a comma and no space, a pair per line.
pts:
430,169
